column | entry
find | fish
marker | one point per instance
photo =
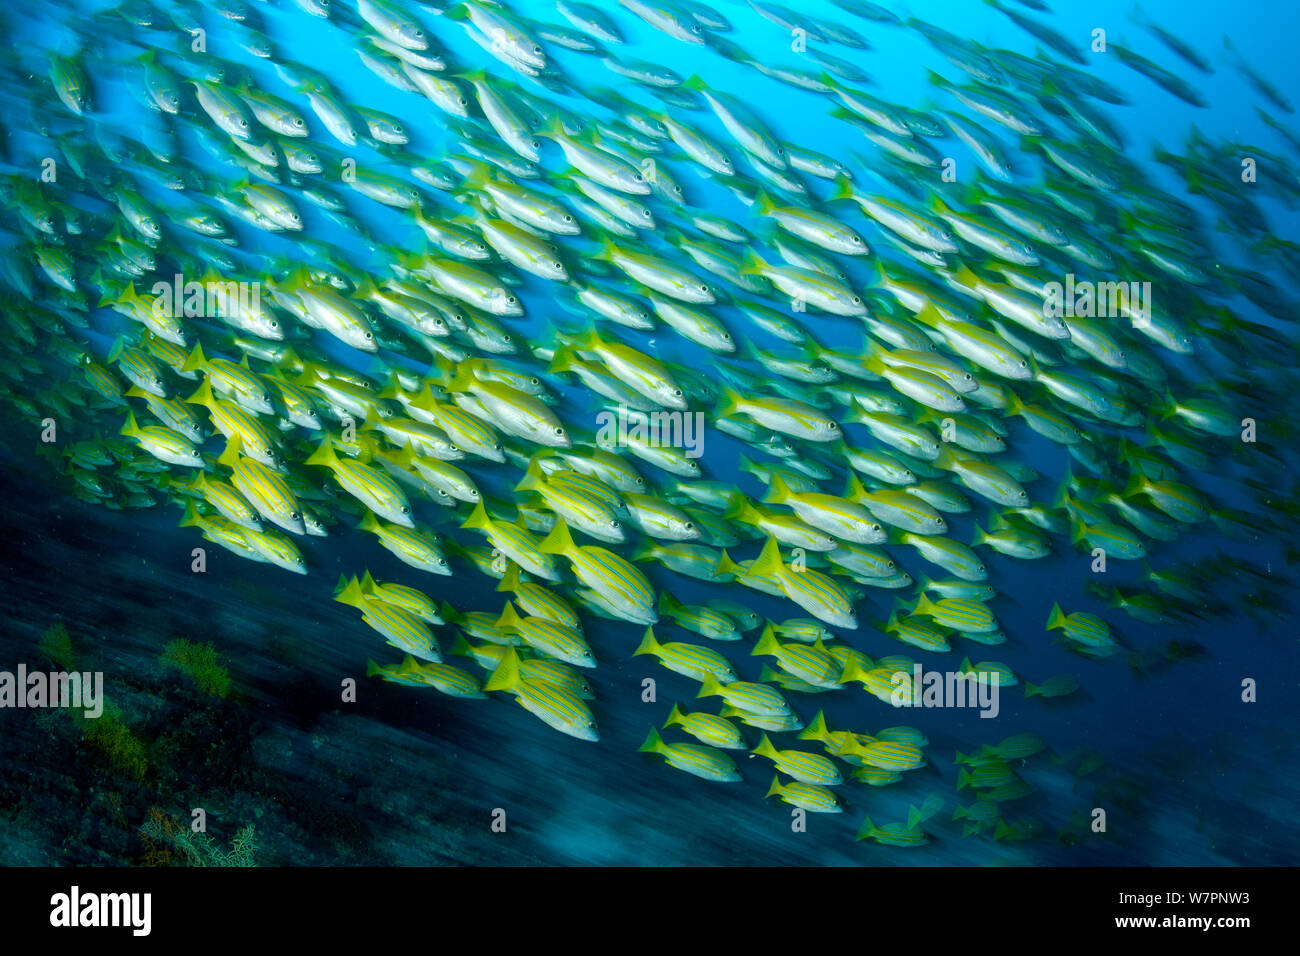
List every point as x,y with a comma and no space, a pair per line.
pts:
605,347
557,706
698,760
808,796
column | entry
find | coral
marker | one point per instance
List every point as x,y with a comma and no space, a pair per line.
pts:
55,645
162,834
111,735
157,834
199,663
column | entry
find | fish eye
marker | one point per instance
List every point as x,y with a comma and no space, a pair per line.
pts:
856,300
274,324
536,144
646,213
462,101
568,219
537,50
369,336
857,240
534,381
559,430
704,288
689,526
636,177
557,265
297,121
405,510
677,393
981,567
613,524
295,516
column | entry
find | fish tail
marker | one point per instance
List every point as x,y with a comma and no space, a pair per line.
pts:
853,488
766,643
191,517
653,743
709,687
559,541
348,591
675,717
1055,618
729,403
479,520
203,394
816,730
778,492
533,477
842,189
727,566
230,457
768,561
509,617
739,509
775,789
668,605
648,644
324,455
506,676
195,360
562,359
509,580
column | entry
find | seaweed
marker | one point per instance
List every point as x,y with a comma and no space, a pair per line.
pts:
199,663
55,646
170,843
110,734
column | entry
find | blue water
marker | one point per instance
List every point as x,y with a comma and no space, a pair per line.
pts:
1191,775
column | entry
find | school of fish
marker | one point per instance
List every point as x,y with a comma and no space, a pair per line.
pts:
565,252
